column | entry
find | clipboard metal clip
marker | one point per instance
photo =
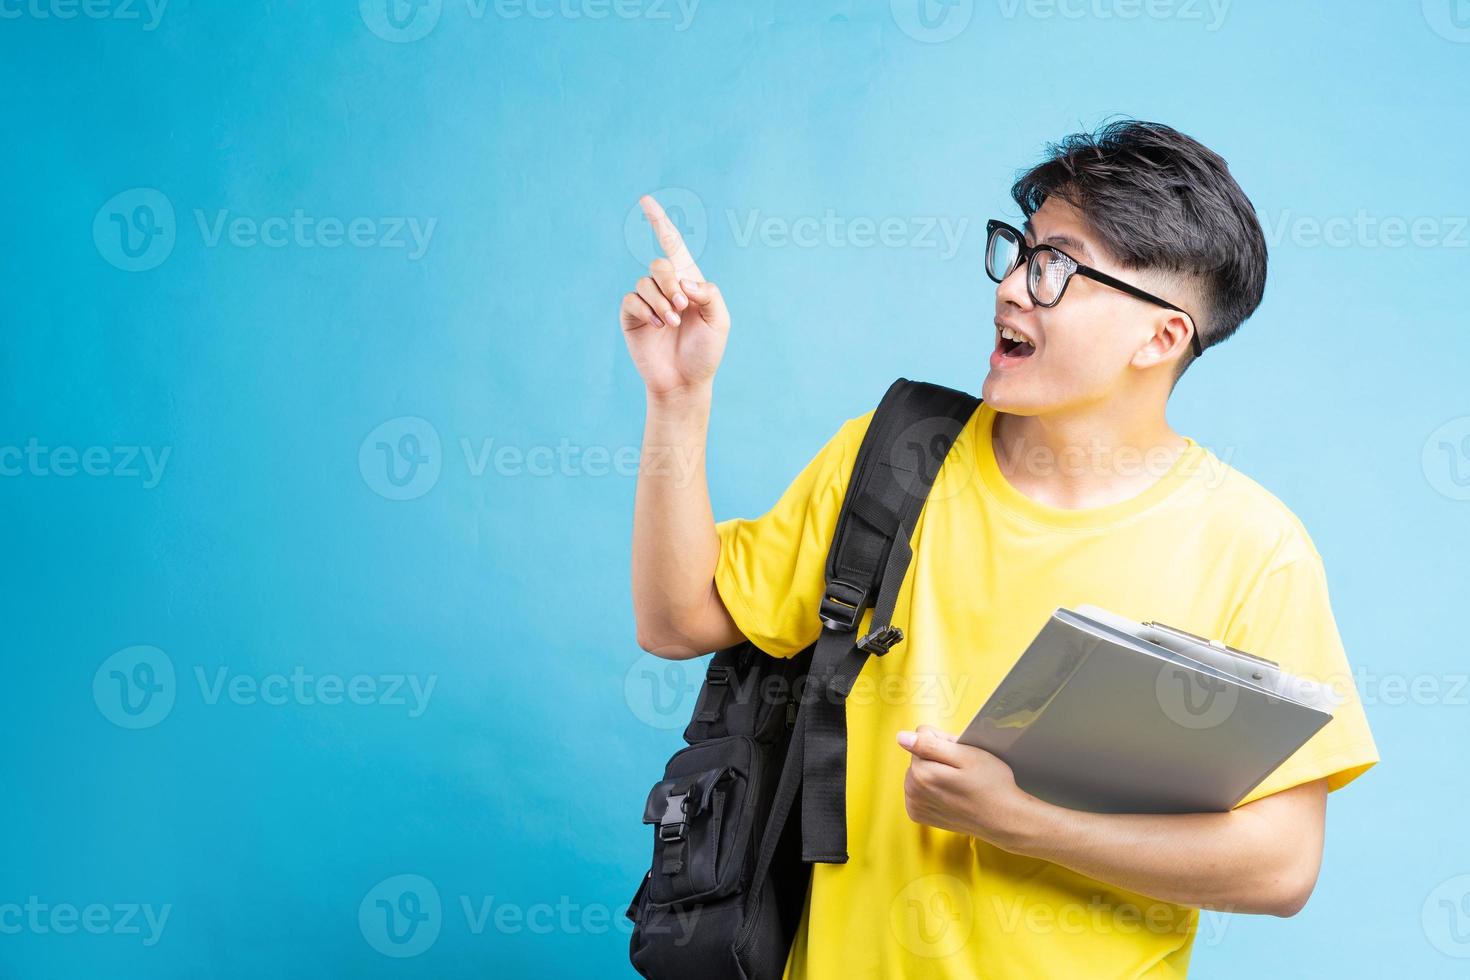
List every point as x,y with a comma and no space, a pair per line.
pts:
1185,634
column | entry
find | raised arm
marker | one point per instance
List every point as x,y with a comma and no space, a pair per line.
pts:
675,324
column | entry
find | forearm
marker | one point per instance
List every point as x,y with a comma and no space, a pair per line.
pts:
1238,861
675,546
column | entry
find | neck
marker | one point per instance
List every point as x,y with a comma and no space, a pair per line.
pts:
1078,459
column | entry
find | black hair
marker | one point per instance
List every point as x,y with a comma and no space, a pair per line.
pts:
1159,200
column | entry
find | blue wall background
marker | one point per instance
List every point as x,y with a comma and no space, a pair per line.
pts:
208,707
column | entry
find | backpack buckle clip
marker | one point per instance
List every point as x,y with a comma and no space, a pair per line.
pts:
842,606
671,825
880,641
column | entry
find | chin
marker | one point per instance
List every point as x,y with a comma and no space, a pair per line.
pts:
1037,393
1013,398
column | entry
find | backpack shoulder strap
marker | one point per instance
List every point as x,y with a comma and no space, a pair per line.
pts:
907,441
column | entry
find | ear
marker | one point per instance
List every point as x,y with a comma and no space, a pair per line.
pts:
1169,341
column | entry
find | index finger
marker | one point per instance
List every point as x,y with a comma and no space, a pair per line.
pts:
670,240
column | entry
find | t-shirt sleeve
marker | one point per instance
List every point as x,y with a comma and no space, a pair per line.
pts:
1287,617
772,569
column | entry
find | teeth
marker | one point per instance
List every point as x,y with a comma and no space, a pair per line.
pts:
1010,334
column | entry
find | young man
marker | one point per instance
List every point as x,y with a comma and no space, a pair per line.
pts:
1067,486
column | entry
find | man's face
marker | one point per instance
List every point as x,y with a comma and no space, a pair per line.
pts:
1085,344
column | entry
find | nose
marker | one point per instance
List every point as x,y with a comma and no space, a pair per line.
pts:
1012,290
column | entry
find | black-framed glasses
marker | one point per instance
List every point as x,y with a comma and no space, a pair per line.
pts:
1048,270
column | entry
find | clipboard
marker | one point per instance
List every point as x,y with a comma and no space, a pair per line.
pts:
1110,715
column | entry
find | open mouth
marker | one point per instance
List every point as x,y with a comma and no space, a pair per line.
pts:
1013,345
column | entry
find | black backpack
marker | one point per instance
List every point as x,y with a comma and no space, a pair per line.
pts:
760,792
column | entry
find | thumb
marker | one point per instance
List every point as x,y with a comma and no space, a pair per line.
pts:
938,733
932,744
706,296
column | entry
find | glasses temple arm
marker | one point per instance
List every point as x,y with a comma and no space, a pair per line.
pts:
1134,291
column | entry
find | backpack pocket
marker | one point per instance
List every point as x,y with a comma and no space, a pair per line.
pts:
703,812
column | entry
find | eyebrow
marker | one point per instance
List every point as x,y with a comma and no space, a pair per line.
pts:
1067,241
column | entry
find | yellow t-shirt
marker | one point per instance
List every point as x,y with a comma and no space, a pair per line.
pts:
1204,548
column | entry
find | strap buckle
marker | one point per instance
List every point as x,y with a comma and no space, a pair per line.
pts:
842,606
671,825
712,700
880,641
